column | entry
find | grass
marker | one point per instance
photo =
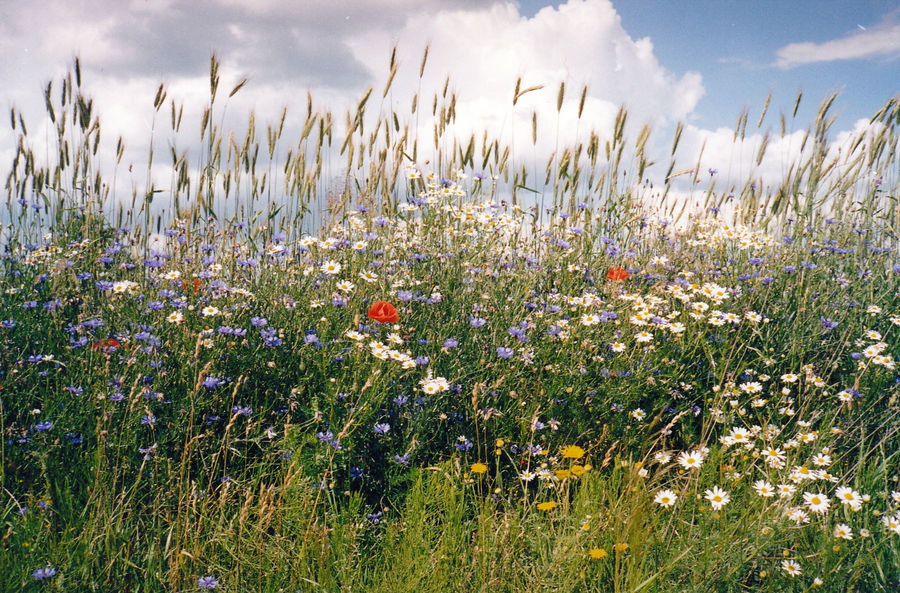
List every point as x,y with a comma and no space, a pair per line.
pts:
584,390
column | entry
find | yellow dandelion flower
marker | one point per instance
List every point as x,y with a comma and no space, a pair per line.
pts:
578,470
563,474
572,452
621,547
479,468
598,553
547,506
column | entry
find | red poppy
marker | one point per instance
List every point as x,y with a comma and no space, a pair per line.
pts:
616,274
383,312
105,344
198,284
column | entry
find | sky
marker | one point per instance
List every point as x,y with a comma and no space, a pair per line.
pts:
701,62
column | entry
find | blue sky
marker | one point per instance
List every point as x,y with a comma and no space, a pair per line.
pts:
734,45
697,61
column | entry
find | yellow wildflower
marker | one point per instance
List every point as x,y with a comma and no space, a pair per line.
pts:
572,452
479,468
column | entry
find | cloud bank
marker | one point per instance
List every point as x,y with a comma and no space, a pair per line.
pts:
865,43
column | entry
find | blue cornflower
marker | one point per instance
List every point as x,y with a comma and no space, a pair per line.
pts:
207,582
242,411
43,426
504,352
534,449
270,337
518,333
212,382
477,321
374,517
381,428
44,573
450,343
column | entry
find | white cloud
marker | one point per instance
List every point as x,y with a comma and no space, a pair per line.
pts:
581,42
878,41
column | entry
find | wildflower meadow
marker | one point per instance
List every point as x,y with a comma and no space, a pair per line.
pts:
372,359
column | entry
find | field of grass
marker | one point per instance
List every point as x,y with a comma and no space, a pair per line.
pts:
469,377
